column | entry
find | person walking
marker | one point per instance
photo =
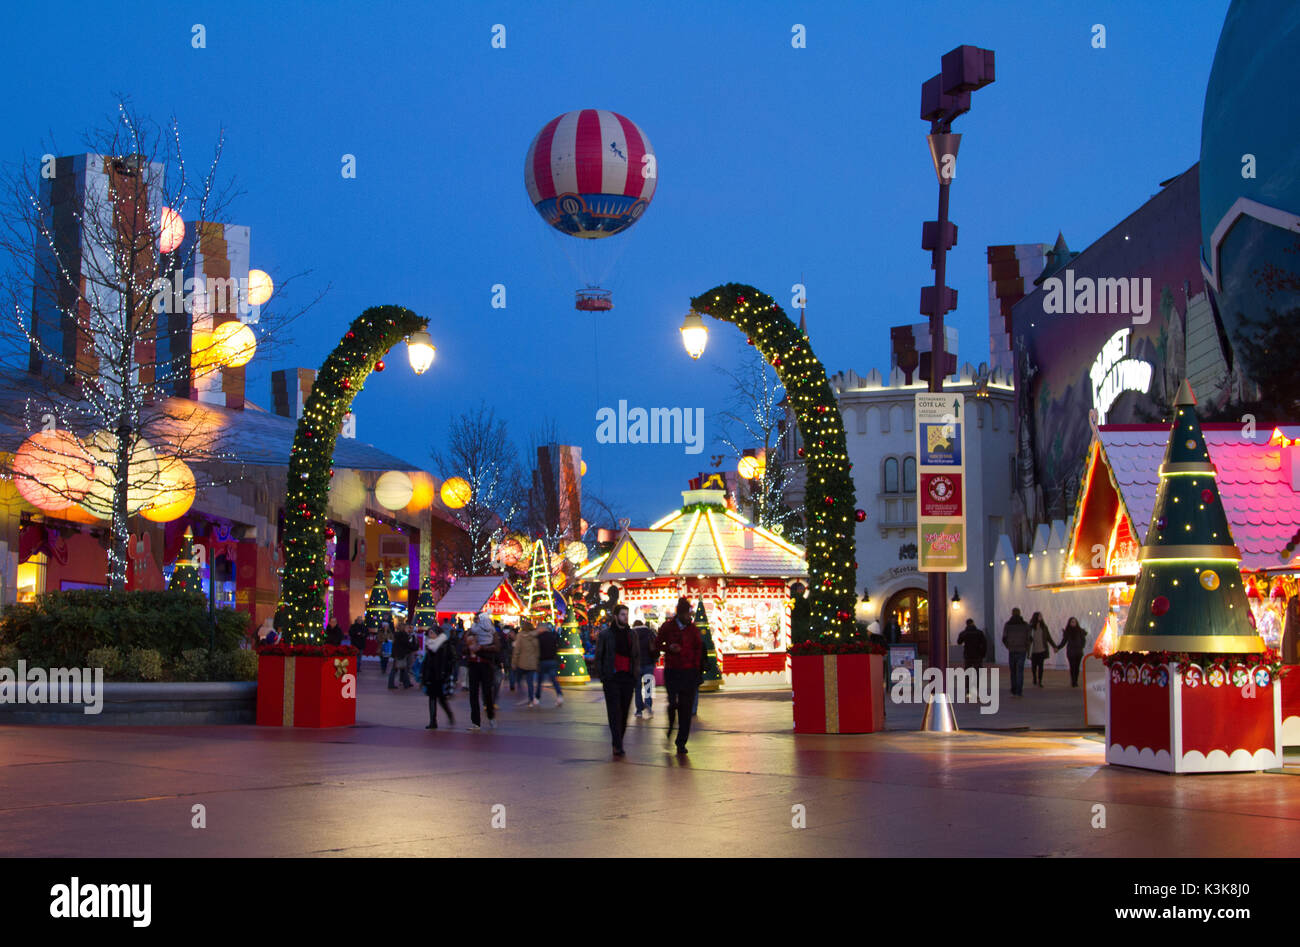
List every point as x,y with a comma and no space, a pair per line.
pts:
973,645
437,672
618,656
525,656
481,660
357,637
1039,643
548,661
403,645
1015,636
682,646
1073,639
333,633
385,646
645,691
505,657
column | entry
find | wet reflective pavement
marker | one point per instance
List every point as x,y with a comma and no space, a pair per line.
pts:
390,787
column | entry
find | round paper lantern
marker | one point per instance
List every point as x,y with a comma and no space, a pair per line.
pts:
233,344
421,492
394,490
347,493
176,488
142,475
204,354
748,467
576,553
171,230
260,287
52,470
455,493
511,551
582,470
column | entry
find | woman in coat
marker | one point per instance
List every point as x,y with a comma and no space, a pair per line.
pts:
1040,640
438,668
525,657
1073,639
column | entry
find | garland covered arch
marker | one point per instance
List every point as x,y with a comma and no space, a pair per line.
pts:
828,494
302,612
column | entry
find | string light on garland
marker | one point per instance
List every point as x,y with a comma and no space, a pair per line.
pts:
305,578
830,546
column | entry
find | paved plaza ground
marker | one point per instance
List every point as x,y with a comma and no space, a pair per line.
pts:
389,787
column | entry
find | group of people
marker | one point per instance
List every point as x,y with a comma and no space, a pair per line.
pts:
1034,638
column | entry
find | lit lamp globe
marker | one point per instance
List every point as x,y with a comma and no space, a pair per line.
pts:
422,491
204,354
52,470
695,334
582,469
748,467
171,231
420,350
233,344
455,493
176,489
260,287
142,475
394,490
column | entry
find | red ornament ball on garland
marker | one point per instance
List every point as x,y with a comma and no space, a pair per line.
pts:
860,515
748,340
1159,605
1207,495
346,384
830,501
379,365
350,335
799,452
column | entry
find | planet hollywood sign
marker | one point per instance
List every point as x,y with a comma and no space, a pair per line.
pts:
1114,371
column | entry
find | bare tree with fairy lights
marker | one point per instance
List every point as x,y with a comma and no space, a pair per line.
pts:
105,337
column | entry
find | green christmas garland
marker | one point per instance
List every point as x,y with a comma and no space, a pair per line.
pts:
311,461
828,494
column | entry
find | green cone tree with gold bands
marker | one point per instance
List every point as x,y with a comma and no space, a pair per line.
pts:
712,671
1189,594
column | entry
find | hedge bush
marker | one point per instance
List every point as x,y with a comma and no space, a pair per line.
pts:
110,659
60,629
145,664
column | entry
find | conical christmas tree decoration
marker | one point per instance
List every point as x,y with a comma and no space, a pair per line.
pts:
539,605
573,668
1189,594
425,614
712,673
379,608
185,572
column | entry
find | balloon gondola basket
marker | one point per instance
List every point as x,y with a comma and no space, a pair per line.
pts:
593,300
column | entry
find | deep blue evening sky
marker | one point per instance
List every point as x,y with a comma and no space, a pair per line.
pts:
773,162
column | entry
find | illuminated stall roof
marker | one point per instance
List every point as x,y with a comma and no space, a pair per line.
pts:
701,539
1258,478
477,593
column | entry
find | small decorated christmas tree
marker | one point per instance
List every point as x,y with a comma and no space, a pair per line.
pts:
379,608
712,672
425,614
1189,594
538,604
185,572
573,667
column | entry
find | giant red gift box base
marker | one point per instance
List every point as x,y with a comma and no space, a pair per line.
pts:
838,693
306,691
1199,722
1291,706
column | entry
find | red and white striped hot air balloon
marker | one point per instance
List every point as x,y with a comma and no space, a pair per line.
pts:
591,174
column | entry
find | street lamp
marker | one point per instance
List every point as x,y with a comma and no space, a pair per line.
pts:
944,97
420,350
695,334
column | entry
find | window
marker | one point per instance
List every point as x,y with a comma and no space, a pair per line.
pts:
909,474
891,475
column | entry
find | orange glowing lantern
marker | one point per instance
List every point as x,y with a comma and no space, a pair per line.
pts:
455,493
52,470
176,489
422,491
171,231
233,344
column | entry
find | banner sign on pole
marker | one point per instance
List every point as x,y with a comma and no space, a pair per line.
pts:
941,490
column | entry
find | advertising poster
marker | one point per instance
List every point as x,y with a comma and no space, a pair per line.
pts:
941,490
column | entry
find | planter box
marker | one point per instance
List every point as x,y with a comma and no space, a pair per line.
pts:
305,691
838,693
147,704
1291,707
1198,722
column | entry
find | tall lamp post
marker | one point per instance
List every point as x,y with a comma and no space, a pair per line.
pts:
943,98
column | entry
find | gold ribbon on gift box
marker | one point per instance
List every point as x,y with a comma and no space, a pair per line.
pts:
340,668
831,688
286,718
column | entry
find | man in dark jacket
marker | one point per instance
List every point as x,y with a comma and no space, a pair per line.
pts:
437,671
645,691
333,633
403,645
682,646
1015,636
973,645
357,636
618,656
548,661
